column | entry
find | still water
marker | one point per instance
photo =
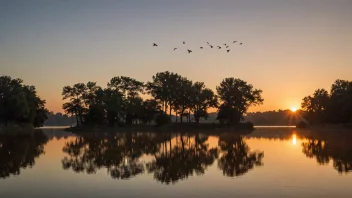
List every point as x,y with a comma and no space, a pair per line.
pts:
269,162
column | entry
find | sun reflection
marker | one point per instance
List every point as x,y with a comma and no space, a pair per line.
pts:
294,139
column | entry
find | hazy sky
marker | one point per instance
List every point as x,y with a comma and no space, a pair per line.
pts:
290,47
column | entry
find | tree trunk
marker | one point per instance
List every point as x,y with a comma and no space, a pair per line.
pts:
77,121
170,113
181,116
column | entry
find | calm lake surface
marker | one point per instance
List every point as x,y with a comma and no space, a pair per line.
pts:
269,162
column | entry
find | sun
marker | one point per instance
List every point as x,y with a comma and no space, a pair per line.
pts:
293,109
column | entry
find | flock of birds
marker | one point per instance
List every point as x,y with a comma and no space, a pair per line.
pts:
226,46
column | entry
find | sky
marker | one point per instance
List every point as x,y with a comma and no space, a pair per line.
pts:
290,48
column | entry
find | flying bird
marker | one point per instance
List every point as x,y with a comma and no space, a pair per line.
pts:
201,47
219,47
211,46
240,43
155,45
175,48
189,51
184,42
227,46
234,41
208,43
228,51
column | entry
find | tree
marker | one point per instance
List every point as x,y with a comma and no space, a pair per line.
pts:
236,96
76,106
19,103
183,97
164,88
340,106
150,109
201,99
315,106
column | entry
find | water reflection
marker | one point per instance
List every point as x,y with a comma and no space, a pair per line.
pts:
172,157
325,147
236,158
19,152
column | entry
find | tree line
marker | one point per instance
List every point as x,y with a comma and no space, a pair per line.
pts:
121,102
19,103
335,107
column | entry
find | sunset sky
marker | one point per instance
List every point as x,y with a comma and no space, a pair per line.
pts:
290,47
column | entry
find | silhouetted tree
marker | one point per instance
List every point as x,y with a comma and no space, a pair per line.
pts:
315,106
236,96
19,103
201,99
75,105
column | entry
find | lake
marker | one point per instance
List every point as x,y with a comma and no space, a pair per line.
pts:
269,162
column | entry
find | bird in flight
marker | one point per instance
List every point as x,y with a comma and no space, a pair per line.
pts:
184,42
240,43
189,51
219,47
211,46
201,47
228,51
155,45
208,43
227,46
234,41
175,48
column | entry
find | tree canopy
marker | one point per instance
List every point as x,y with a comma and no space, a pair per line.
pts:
334,107
122,103
19,103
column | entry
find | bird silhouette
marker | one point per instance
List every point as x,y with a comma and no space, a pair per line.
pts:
227,46
240,43
184,42
228,51
175,48
211,46
234,41
219,47
201,47
155,45
189,51
208,43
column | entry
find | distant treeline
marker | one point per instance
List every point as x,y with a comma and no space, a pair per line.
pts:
274,118
59,119
19,103
335,107
120,103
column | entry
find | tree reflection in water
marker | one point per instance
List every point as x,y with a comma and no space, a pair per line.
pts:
119,154
19,152
336,148
174,156
236,158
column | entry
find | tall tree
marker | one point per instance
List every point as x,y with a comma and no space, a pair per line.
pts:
202,98
236,96
183,97
20,103
315,106
76,106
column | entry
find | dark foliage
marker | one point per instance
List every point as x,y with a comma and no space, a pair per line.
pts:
19,103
